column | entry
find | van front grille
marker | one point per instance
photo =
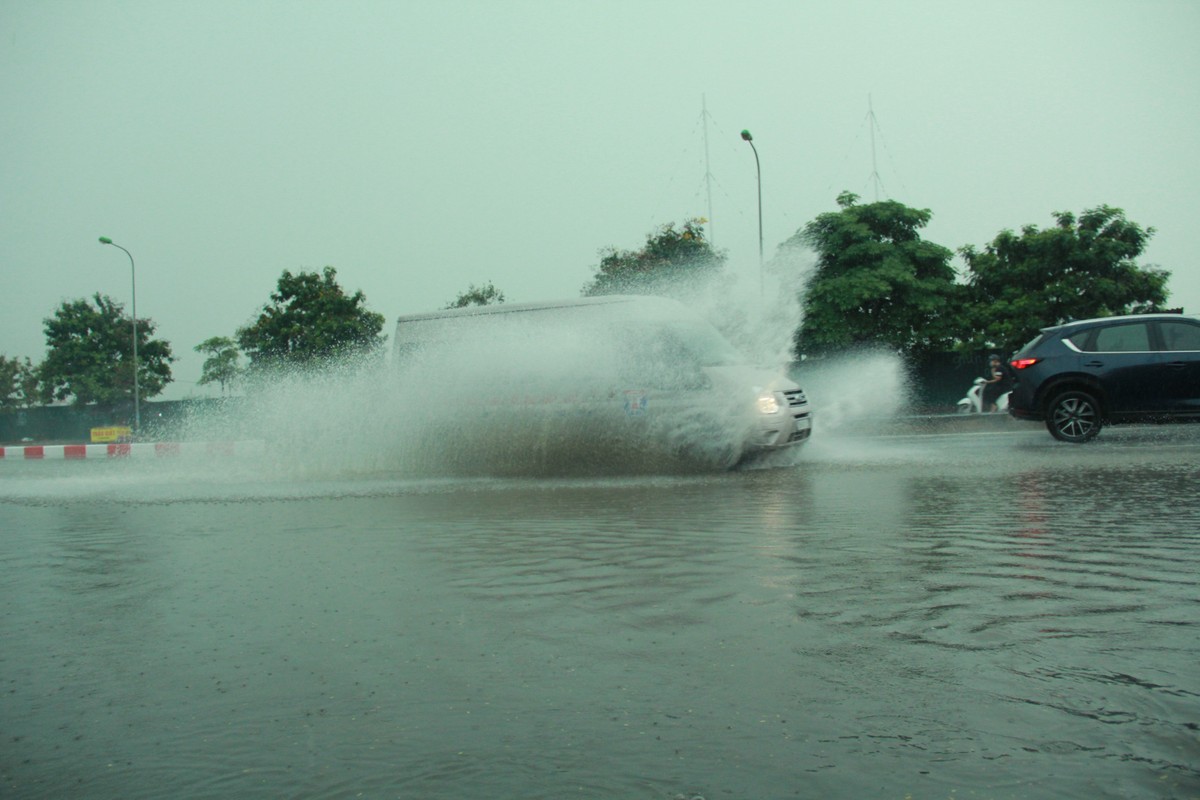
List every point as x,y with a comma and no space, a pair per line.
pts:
795,398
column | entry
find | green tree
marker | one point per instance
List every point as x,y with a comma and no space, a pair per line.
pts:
90,356
18,383
309,321
877,282
1077,269
670,257
221,366
477,296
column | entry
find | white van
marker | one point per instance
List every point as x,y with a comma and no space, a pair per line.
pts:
617,382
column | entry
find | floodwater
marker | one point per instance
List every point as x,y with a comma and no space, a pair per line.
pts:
974,616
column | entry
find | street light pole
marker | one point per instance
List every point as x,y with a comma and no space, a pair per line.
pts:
137,411
758,169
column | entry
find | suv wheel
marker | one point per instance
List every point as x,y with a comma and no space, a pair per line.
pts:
1073,416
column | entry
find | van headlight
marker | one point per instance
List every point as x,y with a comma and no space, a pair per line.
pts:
768,403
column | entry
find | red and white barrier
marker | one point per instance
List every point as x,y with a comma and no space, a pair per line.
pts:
126,450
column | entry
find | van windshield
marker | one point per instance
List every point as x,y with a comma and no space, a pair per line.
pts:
649,342
682,342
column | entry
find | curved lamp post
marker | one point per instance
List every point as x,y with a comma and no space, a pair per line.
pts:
758,169
137,411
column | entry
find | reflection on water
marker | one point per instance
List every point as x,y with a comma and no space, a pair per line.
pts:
887,619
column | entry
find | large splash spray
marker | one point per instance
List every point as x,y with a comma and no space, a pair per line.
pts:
537,400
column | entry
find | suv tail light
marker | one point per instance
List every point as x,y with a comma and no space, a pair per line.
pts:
1022,363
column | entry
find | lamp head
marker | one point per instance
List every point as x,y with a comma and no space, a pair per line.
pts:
746,135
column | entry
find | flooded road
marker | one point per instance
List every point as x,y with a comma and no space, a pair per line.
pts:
971,616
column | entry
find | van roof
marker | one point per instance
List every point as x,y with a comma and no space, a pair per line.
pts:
513,308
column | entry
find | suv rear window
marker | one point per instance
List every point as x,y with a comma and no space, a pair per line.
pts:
1180,335
1132,337
1032,343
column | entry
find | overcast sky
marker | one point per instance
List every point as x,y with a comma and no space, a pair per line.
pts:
419,147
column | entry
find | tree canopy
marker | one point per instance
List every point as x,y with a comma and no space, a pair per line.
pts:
877,282
1078,269
484,295
310,320
670,257
90,355
221,366
18,383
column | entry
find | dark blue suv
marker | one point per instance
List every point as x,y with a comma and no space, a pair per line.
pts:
1080,376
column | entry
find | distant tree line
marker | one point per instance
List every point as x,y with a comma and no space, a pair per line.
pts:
308,322
876,283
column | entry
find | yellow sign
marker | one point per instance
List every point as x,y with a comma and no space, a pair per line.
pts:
115,433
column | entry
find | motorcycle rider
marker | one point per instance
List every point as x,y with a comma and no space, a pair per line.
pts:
996,383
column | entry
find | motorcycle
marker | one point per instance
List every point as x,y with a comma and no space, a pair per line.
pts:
972,403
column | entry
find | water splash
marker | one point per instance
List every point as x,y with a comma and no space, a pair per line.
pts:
759,310
851,388
591,408
443,412
610,388
761,314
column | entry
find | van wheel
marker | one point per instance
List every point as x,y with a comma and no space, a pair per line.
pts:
1073,416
